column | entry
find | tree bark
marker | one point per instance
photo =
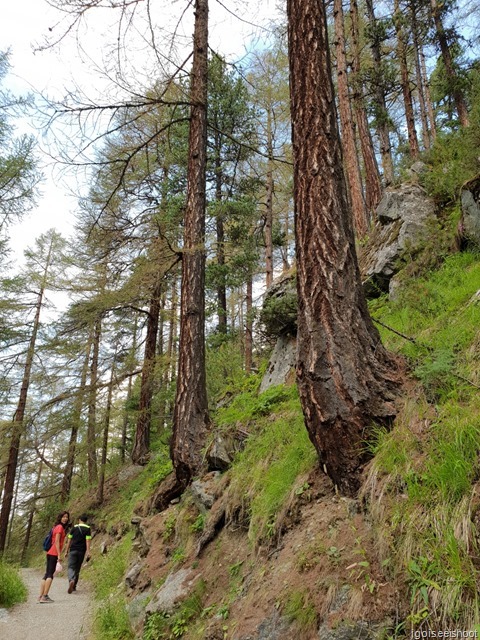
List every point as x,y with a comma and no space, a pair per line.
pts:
17,423
141,445
452,75
347,380
76,415
373,184
190,419
382,116
405,81
421,88
268,228
92,406
249,326
106,426
352,168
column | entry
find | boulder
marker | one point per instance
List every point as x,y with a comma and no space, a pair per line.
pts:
176,588
470,222
406,217
281,367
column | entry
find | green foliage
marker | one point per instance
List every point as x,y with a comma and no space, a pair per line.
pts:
12,589
426,467
159,626
224,366
299,608
110,569
265,472
279,314
111,620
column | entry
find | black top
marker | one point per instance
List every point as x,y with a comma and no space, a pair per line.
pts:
79,536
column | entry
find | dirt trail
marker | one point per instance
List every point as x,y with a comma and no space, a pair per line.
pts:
69,616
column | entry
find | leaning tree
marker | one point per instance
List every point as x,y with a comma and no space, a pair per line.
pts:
347,380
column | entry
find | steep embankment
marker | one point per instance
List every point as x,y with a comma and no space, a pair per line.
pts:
68,616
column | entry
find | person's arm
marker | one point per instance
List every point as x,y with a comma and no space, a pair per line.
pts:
87,555
69,542
57,544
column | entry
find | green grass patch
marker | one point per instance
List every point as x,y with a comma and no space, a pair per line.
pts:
276,454
12,588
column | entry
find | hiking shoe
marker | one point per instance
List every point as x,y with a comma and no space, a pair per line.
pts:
71,586
45,599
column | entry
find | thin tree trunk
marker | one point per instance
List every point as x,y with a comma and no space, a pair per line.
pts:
352,169
382,116
268,229
92,406
191,420
141,444
347,381
405,82
249,326
428,97
373,184
18,418
452,75
106,426
123,445
419,77
31,514
76,416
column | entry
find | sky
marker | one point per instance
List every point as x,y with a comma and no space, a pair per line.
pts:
27,24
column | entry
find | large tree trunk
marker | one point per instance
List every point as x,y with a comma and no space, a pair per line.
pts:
190,418
352,168
141,445
347,380
405,81
373,184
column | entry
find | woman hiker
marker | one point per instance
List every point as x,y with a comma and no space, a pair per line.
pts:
53,554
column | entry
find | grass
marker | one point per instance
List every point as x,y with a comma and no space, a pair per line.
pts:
278,451
421,485
12,589
111,617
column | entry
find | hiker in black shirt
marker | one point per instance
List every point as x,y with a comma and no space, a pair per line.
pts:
78,549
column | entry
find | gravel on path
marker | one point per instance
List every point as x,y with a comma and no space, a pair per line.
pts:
69,616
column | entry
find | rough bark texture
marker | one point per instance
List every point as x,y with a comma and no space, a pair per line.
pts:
347,380
190,416
352,168
268,229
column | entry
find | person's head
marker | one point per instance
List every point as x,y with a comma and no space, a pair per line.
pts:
63,518
83,518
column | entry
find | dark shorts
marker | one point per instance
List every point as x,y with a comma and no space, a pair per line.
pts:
51,566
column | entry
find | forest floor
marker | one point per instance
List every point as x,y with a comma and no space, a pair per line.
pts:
68,616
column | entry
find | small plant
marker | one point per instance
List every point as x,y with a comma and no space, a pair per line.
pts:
298,608
111,620
199,524
12,589
169,527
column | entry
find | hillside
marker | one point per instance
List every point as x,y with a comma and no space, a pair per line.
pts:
268,549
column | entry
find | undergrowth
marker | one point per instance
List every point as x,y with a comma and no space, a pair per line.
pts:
276,453
12,589
423,481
